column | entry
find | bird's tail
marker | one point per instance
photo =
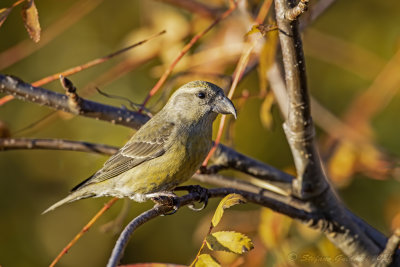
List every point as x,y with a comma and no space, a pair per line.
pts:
70,198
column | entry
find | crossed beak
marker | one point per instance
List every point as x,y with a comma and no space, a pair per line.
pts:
224,105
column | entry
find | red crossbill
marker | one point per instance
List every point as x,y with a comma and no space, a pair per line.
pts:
164,152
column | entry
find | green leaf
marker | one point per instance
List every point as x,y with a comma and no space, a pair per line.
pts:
205,260
4,14
229,241
31,20
227,202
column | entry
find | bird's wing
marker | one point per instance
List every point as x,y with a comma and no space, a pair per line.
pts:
144,145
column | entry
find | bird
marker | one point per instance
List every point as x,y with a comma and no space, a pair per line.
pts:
165,152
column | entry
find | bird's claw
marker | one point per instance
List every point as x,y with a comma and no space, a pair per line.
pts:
201,191
169,201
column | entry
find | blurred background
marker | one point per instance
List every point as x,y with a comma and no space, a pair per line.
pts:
353,65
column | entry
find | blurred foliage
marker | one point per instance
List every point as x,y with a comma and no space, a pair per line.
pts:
347,48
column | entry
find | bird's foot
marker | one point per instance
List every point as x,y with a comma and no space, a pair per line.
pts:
197,189
168,199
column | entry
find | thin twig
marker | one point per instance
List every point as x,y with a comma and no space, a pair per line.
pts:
66,20
55,144
184,50
84,230
195,7
94,62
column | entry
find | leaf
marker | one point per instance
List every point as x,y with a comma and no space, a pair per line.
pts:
205,260
266,117
254,29
267,58
4,12
30,17
153,264
273,228
227,202
341,165
229,241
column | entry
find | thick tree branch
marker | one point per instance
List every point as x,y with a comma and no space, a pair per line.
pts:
311,184
299,128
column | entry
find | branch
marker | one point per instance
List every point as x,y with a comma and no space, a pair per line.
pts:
311,183
294,12
55,144
192,197
387,257
227,157
24,91
224,157
196,7
299,128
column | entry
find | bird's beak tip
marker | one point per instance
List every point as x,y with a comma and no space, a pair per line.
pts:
225,106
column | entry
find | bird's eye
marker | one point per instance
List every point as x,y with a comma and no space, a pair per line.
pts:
201,95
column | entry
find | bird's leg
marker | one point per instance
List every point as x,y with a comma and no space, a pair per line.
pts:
197,189
168,199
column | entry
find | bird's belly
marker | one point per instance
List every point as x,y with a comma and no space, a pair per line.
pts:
165,172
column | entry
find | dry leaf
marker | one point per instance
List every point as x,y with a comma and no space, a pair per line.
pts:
31,20
4,14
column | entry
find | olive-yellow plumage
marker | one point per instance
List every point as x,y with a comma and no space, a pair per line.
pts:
164,152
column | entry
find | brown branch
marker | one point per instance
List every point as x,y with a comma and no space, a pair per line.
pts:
27,92
294,12
299,127
196,7
93,62
55,144
65,21
86,228
184,50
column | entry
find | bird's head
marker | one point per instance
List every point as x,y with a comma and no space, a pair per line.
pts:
199,98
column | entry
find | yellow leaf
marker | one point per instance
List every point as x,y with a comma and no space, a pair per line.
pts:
31,20
229,241
273,228
227,202
4,14
341,166
266,117
267,58
253,30
154,264
205,260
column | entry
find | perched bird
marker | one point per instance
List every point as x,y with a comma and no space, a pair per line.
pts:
164,152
